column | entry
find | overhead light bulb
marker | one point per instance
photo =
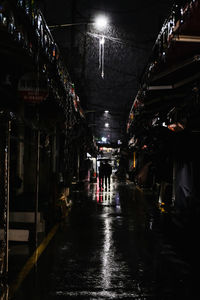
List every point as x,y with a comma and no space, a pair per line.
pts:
101,22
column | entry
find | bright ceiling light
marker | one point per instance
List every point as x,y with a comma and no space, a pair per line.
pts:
101,22
107,125
106,111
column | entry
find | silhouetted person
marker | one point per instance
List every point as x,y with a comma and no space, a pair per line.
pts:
107,172
101,174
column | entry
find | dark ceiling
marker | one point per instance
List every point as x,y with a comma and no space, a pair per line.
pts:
129,38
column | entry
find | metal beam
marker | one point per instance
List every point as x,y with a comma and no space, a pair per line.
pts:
69,25
186,38
159,87
175,85
177,67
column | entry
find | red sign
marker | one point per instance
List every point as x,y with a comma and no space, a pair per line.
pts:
33,88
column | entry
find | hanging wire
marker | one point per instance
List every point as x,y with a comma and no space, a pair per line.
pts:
131,43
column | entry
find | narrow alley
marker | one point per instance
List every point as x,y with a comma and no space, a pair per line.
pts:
99,149
112,245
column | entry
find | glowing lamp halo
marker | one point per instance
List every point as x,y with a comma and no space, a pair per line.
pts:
101,22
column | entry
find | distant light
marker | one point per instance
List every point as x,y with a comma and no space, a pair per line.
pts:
176,127
107,125
104,139
106,111
101,22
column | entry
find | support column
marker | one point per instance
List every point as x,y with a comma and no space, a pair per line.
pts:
20,163
37,185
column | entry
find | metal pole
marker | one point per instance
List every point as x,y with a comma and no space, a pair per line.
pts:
37,186
7,189
70,24
20,163
174,183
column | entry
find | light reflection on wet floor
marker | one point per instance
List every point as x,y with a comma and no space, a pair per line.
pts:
109,248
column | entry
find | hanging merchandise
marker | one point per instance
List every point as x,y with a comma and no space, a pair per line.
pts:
101,55
75,102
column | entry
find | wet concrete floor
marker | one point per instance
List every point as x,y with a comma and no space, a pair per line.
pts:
112,246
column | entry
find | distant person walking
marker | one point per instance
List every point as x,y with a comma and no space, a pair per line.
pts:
101,174
107,173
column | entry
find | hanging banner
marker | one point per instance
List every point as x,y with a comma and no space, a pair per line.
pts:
33,88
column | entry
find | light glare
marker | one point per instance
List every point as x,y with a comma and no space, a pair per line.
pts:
101,22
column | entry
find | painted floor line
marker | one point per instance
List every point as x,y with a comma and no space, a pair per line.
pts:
32,261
